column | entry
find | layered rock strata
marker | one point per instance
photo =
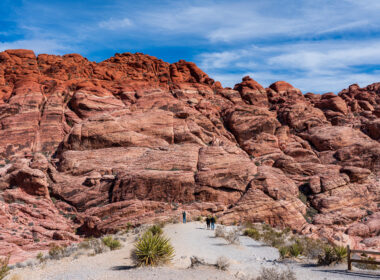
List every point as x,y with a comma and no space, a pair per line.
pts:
86,148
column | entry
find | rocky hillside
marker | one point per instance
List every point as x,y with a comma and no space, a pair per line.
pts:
86,148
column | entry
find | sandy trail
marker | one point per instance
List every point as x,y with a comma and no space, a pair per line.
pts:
191,239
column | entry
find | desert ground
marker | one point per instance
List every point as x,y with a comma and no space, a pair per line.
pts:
191,239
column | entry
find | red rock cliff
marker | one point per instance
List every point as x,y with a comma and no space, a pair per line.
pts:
86,147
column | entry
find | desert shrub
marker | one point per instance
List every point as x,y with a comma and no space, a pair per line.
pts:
232,236
199,219
273,238
312,248
40,257
253,233
111,243
4,268
86,243
284,252
266,227
56,252
286,231
365,265
220,232
295,249
222,263
95,244
328,257
340,253
152,250
155,230
332,255
128,227
275,274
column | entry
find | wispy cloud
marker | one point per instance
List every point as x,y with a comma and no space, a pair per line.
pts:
38,46
113,24
316,45
311,66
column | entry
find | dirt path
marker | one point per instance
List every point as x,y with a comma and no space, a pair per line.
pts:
190,239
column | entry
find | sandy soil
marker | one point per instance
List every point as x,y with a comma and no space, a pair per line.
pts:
191,239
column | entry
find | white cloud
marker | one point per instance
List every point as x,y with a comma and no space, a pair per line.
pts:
317,67
244,20
37,45
114,24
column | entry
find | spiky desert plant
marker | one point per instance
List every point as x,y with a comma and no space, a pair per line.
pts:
328,256
111,243
152,250
340,253
155,230
4,268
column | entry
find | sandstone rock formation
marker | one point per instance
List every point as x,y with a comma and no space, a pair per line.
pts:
86,148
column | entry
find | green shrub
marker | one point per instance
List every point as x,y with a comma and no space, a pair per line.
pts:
273,238
40,257
284,252
328,256
340,253
4,268
152,250
199,219
128,227
155,230
295,249
253,233
56,252
111,243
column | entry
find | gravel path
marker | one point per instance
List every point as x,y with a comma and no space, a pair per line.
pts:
190,239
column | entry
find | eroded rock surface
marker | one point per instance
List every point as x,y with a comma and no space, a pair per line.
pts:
86,148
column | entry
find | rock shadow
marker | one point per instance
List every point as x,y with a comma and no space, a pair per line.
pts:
123,267
356,274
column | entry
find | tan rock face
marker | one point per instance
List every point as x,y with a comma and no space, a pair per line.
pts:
87,147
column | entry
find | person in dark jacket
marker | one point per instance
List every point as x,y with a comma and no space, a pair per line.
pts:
208,221
184,217
212,220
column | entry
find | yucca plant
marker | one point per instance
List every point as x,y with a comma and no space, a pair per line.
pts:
328,257
111,243
152,250
4,268
340,253
155,230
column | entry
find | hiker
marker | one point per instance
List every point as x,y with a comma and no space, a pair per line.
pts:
184,217
208,221
212,220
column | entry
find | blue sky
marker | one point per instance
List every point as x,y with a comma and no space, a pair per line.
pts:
318,46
